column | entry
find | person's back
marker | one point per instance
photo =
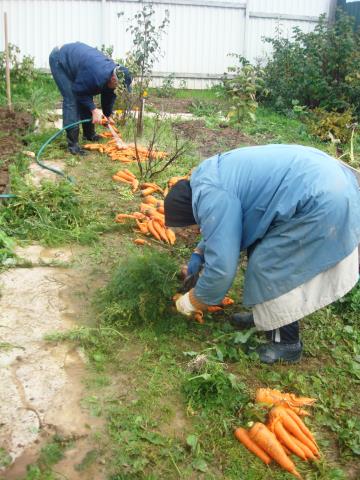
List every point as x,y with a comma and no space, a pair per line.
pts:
89,69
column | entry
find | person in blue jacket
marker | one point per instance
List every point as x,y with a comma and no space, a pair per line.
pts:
296,211
81,72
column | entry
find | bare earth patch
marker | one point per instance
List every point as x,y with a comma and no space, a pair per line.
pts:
210,141
43,380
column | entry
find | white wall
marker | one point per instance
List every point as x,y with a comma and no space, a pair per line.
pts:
200,35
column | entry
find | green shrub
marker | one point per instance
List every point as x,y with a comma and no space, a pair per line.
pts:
141,290
22,69
320,68
324,124
240,89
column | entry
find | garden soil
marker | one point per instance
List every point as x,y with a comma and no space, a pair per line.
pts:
212,141
12,125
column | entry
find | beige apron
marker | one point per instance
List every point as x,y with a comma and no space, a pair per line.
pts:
323,289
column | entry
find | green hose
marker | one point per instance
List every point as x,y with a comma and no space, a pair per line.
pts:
42,148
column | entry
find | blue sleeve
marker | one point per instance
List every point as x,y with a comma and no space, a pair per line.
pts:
220,219
108,98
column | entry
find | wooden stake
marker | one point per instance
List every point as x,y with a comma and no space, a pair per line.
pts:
7,67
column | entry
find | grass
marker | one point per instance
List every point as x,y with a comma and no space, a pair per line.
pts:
36,96
171,391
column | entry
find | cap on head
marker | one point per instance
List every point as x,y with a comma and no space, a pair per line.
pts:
178,205
123,75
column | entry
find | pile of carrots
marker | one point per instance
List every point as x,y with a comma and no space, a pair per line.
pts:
150,218
125,153
284,433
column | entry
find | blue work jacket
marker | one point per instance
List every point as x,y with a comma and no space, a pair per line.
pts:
295,209
89,71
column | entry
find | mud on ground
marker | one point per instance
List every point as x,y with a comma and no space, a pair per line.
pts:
211,141
11,126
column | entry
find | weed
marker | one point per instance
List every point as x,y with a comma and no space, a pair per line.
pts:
140,291
208,385
50,455
52,213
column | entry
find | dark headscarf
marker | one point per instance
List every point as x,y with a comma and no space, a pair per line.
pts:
177,205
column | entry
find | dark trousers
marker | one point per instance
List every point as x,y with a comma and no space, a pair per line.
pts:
72,110
287,334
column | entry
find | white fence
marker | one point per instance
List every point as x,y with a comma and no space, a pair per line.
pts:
200,35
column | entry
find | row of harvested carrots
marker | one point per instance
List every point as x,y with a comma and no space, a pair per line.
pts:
128,153
283,434
150,219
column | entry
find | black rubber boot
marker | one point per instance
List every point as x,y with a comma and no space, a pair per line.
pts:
280,352
243,320
72,136
89,132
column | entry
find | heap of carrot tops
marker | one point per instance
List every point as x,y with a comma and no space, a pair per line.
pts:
126,153
150,219
284,433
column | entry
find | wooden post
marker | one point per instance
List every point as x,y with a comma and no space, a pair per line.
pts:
7,67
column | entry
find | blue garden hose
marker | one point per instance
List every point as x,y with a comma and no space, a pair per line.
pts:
42,148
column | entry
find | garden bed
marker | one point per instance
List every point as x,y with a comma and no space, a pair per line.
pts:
212,141
11,125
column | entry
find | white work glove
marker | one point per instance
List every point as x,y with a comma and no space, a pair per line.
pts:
97,116
184,306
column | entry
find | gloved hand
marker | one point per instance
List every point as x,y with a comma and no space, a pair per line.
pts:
195,263
97,116
184,306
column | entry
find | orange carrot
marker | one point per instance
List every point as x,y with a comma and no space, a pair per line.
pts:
227,301
171,235
142,227
135,185
141,241
284,437
129,173
243,436
292,427
309,454
117,178
150,200
161,210
122,173
152,230
148,191
301,425
121,217
275,397
214,308
266,440
160,230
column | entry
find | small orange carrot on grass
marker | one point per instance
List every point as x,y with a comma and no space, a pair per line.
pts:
141,241
121,217
243,436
